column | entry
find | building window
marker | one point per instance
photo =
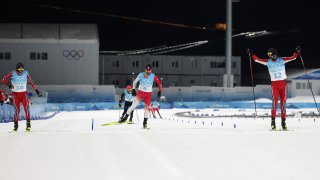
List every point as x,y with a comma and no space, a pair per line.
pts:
213,64
38,56
33,56
135,63
115,64
155,64
298,85
221,65
194,63
174,64
44,56
7,55
234,64
116,82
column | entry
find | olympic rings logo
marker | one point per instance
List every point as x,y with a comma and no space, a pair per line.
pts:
73,54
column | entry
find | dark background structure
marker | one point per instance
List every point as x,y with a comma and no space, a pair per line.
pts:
130,25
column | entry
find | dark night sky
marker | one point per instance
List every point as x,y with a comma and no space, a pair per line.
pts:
294,21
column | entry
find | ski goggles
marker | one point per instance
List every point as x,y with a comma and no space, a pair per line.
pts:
269,53
148,70
20,69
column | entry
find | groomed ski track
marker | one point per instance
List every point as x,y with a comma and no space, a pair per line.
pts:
66,148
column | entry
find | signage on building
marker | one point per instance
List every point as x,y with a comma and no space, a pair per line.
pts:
73,54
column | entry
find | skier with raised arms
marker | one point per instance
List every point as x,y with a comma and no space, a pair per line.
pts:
277,71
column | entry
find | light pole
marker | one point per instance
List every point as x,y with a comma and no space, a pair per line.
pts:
228,77
103,69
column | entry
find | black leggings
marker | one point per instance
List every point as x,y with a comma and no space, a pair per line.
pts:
127,105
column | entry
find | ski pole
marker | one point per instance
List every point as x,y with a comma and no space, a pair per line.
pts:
137,116
254,94
132,86
309,84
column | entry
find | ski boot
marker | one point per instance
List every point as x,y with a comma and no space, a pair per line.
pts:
283,124
28,128
145,125
122,120
130,120
15,128
273,124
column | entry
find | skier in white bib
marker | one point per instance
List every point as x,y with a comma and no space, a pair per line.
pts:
277,71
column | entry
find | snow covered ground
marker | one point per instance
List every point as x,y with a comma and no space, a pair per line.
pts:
177,148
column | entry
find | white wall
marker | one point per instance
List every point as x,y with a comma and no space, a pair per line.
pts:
180,69
57,69
302,90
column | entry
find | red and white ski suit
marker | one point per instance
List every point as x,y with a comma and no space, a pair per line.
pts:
278,77
20,96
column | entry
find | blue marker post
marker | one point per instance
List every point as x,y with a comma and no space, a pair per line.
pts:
92,124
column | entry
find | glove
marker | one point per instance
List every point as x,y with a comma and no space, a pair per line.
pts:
249,51
1,102
10,85
119,104
159,94
39,93
298,49
134,93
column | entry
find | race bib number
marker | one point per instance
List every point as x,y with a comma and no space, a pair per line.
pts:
19,88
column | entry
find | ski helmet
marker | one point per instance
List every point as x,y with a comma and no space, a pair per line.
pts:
19,68
129,87
148,68
19,65
272,51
